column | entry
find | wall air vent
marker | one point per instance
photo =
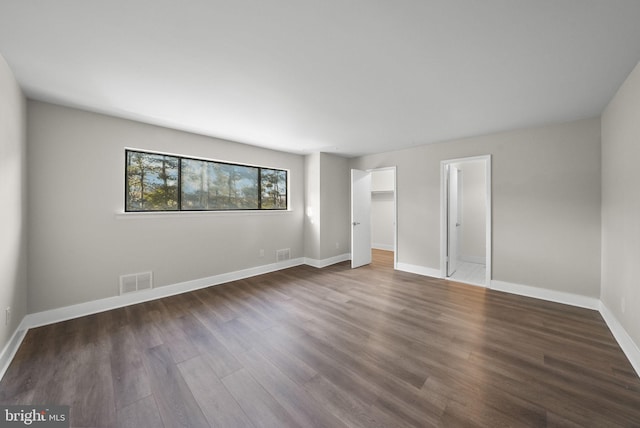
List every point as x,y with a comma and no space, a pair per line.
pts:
284,254
136,282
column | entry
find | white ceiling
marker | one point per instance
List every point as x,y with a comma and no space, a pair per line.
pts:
344,76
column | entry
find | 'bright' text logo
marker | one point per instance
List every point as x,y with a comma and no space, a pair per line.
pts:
25,417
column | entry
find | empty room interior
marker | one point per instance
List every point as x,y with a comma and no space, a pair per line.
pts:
320,214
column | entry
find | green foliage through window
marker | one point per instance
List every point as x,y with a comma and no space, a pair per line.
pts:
273,185
157,182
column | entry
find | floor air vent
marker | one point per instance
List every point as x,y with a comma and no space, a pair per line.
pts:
136,282
282,255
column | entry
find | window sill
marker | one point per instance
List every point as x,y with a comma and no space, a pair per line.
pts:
185,214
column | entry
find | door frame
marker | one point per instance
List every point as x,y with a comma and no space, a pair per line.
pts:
443,214
452,243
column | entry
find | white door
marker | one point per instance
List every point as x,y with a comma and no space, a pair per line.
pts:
453,218
360,218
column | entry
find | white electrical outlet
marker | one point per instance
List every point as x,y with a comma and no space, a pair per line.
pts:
337,245
8,316
261,253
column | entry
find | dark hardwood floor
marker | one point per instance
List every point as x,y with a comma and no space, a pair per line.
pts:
332,347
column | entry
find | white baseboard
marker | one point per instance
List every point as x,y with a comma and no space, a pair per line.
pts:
327,262
420,270
629,347
385,247
546,294
51,316
68,312
473,259
11,348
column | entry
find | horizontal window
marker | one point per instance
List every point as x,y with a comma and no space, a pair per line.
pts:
157,182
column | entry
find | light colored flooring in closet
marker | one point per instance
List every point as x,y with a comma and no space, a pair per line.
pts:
470,273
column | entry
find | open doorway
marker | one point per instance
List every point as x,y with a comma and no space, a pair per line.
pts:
373,207
383,216
466,220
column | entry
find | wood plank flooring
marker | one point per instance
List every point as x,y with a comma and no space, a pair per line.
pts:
333,347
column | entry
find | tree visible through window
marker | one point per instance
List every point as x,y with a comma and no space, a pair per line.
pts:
157,182
152,182
218,186
274,188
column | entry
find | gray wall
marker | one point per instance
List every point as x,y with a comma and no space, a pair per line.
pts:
312,206
621,206
13,217
78,246
546,203
327,202
335,205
